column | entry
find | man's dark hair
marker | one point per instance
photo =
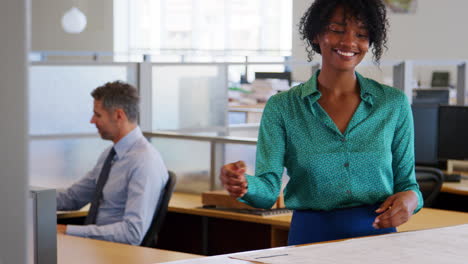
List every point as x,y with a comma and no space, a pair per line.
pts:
372,13
118,94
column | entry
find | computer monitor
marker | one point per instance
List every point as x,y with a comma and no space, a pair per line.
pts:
426,123
274,75
440,79
431,96
453,132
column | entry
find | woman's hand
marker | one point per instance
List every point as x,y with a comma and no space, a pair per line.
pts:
233,178
396,210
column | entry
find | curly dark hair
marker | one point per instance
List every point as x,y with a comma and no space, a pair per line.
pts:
119,94
372,13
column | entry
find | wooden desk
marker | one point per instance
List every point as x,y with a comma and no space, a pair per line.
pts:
424,219
453,196
191,204
73,214
276,227
460,188
434,218
205,228
78,250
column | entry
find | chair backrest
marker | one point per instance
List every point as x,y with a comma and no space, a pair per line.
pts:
430,182
151,236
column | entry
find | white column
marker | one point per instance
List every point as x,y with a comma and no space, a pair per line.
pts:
299,7
403,78
462,83
145,87
14,29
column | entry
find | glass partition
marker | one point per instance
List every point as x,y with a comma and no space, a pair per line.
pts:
246,153
57,163
189,160
189,96
63,144
59,96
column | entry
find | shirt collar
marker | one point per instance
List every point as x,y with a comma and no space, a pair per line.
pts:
127,142
368,92
310,88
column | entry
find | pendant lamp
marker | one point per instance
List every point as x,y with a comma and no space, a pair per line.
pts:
73,21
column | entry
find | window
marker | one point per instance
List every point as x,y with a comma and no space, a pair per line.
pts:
208,27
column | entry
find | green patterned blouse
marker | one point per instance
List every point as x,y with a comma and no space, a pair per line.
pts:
372,160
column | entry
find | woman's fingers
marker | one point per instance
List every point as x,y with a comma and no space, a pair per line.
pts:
233,178
396,210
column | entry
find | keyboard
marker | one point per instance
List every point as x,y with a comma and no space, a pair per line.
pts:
260,212
452,177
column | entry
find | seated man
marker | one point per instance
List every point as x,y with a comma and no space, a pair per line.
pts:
125,186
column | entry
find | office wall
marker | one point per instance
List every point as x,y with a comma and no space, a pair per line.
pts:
435,31
13,134
47,32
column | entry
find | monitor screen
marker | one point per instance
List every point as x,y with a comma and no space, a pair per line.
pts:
453,132
426,122
431,96
440,79
274,75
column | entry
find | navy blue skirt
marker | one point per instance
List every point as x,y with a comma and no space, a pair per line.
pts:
308,226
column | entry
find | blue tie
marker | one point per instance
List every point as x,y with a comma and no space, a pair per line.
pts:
103,176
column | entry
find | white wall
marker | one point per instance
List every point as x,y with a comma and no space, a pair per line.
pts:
13,134
435,31
47,32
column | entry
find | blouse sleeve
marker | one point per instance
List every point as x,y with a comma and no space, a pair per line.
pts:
265,186
403,163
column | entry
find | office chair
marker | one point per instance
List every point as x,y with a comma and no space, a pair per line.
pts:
430,182
151,236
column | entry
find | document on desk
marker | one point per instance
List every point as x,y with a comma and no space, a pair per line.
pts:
441,245
224,259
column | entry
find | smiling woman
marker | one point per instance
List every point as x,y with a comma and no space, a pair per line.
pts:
372,19
344,43
345,140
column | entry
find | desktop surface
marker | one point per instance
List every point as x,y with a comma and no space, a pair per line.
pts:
77,250
270,231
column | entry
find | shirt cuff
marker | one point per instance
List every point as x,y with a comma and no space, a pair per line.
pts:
255,195
249,196
76,230
420,200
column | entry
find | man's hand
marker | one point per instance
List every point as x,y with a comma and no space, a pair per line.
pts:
233,178
396,210
61,229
